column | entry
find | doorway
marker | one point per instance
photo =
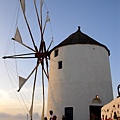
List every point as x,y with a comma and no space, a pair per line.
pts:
95,112
69,113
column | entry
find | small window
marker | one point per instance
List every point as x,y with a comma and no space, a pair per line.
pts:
56,53
60,65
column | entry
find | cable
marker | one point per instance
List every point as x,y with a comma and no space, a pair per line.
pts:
16,66
8,45
13,86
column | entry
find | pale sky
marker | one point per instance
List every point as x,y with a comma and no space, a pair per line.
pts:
98,19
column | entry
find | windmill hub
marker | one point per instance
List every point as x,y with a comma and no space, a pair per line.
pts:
40,55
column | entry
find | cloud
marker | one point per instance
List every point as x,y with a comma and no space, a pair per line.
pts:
4,95
5,116
11,105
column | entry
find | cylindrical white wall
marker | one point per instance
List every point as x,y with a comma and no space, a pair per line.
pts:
85,73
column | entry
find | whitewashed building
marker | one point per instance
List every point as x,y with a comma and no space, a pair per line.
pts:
80,78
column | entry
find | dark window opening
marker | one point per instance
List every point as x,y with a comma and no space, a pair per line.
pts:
69,113
60,65
56,53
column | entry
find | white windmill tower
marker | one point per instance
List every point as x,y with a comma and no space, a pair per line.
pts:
79,71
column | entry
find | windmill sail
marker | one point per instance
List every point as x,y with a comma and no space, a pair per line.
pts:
41,3
17,36
21,82
39,52
47,20
23,5
31,111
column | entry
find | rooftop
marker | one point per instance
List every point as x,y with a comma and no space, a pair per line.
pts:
80,38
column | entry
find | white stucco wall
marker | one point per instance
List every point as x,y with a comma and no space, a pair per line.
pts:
85,73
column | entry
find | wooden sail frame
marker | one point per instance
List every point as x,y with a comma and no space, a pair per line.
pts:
41,54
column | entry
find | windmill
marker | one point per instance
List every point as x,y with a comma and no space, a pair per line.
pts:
41,53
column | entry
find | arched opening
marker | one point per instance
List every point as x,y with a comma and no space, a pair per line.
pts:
96,100
95,108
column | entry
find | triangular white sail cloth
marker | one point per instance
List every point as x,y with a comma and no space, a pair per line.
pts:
21,82
31,111
47,20
35,1
17,36
23,5
41,3
47,17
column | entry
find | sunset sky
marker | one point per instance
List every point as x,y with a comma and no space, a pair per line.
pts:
98,19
